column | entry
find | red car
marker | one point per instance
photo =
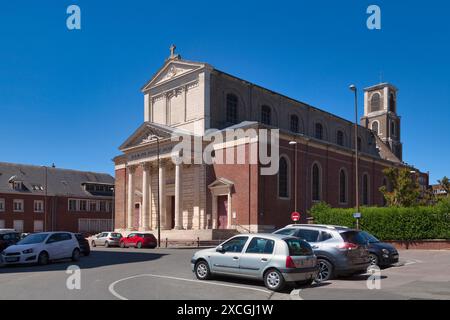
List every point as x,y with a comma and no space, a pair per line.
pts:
139,240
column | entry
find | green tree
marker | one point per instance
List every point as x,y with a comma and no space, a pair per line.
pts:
404,190
445,184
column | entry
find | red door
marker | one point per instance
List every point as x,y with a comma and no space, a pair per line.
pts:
222,212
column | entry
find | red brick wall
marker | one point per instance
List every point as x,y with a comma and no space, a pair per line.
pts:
245,191
120,199
58,218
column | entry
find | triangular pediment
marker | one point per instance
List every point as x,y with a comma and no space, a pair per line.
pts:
221,182
171,70
147,133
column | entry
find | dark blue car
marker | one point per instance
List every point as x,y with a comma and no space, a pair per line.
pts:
381,254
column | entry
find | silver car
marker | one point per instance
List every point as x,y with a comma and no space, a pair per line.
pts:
276,259
107,239
339,250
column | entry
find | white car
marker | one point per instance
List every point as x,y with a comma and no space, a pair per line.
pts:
43,247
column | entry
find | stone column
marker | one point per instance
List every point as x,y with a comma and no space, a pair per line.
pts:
145,202
130,198
178,200
150,203
162,194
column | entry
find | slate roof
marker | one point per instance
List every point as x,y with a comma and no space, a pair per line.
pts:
60,182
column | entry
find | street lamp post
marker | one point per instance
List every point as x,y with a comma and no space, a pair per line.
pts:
355,91
294,143
159,196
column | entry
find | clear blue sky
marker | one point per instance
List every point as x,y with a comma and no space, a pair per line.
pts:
72,97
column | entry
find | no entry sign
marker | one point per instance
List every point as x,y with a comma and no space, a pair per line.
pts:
295,216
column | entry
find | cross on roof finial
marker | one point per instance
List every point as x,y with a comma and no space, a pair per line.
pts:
172,50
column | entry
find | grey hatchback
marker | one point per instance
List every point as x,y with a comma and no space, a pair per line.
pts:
339,250
276,259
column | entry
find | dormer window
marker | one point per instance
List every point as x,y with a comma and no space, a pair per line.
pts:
17,185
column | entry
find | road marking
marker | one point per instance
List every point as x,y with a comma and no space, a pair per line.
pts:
412,261
295,294
114,293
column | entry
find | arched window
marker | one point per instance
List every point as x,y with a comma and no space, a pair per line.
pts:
294,124
392,103
375,102
316,183
283,179
375,127
318,131
266,115
342,186
340,138
232,108
393,131
365,190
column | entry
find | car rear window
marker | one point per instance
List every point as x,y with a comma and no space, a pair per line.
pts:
298,247
116,235
354,237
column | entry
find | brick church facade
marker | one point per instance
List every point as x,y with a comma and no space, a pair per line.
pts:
186,98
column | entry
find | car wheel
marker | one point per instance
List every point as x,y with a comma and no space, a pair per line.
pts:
106,244
202,271
43,258
274,280
139,245
304,283
93,244
373,259
76,254
325,271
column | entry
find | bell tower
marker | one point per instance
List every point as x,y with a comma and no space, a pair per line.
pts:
380,115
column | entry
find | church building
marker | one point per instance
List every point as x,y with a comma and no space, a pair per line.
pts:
315,155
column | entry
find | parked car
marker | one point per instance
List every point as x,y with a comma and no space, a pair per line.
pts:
8,237
275,259
139,240
106,239
43,247
339,250
381,254
84,244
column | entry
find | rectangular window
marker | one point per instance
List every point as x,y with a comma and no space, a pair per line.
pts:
18,205
92,206
72,205
103,206
2,224
2,205
38,226
38,206
17,185
83,205
18,225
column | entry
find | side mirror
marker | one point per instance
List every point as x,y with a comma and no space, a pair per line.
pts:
220,249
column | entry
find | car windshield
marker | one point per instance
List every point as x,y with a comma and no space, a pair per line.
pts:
34,238
298,247
369,237
147,236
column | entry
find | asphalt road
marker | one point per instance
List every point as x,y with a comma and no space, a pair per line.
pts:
116,273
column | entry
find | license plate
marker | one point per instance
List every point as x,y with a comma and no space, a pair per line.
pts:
14,259
395,256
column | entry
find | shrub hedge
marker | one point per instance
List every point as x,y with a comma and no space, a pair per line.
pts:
392,223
